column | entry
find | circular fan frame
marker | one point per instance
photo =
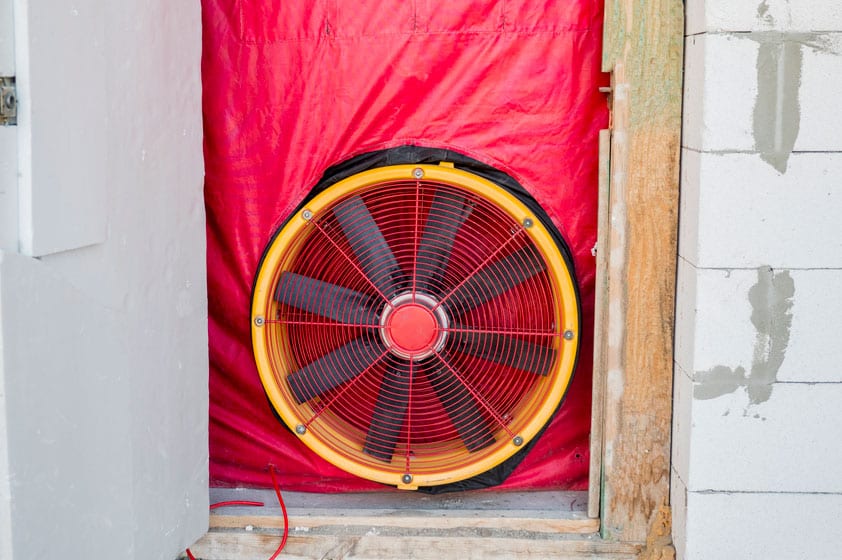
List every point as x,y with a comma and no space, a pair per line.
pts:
340,440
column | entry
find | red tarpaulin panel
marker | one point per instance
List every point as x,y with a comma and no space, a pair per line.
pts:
291,88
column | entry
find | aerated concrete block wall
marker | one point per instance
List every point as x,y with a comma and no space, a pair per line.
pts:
757,455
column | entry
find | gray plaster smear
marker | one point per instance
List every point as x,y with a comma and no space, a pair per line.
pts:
771,299
777,111
763,13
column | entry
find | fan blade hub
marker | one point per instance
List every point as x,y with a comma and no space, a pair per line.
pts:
413,326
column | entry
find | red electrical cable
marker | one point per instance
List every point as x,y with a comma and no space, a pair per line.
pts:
236,503
258,504
283,510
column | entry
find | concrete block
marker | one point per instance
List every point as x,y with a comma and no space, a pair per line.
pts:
738,211
764,92
814,353
694,84
688,206
763,15
821,74
682,422
762,527
771,322
785,440
685,314
742,320
720,92
678,503
722,335
694,17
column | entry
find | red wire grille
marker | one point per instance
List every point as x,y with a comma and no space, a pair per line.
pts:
413,326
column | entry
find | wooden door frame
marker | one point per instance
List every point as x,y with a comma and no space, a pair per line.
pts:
634,326
643,50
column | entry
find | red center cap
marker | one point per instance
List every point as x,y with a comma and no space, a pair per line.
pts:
412,328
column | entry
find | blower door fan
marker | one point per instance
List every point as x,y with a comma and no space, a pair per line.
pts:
415,325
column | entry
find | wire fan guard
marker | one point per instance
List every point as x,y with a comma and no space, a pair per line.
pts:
415,324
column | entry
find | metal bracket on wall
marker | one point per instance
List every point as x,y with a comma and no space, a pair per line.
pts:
8,101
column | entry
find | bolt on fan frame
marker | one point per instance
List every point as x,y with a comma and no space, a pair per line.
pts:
455,463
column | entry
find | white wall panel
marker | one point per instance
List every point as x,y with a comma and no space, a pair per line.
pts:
8,139
8,188
107,344
61,78
7,39
70,460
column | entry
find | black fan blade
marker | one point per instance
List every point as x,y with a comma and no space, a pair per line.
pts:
389,414
448,212
506,350
375,256
461,408
332,370
323,298
495,279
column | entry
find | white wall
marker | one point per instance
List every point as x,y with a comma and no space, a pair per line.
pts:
103,349
8,141
758,366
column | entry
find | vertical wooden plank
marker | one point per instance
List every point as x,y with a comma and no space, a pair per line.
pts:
603,249
644,53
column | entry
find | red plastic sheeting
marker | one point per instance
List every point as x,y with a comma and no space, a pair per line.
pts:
291,88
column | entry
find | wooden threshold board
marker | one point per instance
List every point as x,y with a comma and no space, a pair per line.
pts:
388,525
551,511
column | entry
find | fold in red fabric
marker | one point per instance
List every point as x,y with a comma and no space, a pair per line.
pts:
291,88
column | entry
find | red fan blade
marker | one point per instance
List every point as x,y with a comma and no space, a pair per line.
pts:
389,414
334,369
325,299
495,279
367,241
448,212
506,350
461,408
